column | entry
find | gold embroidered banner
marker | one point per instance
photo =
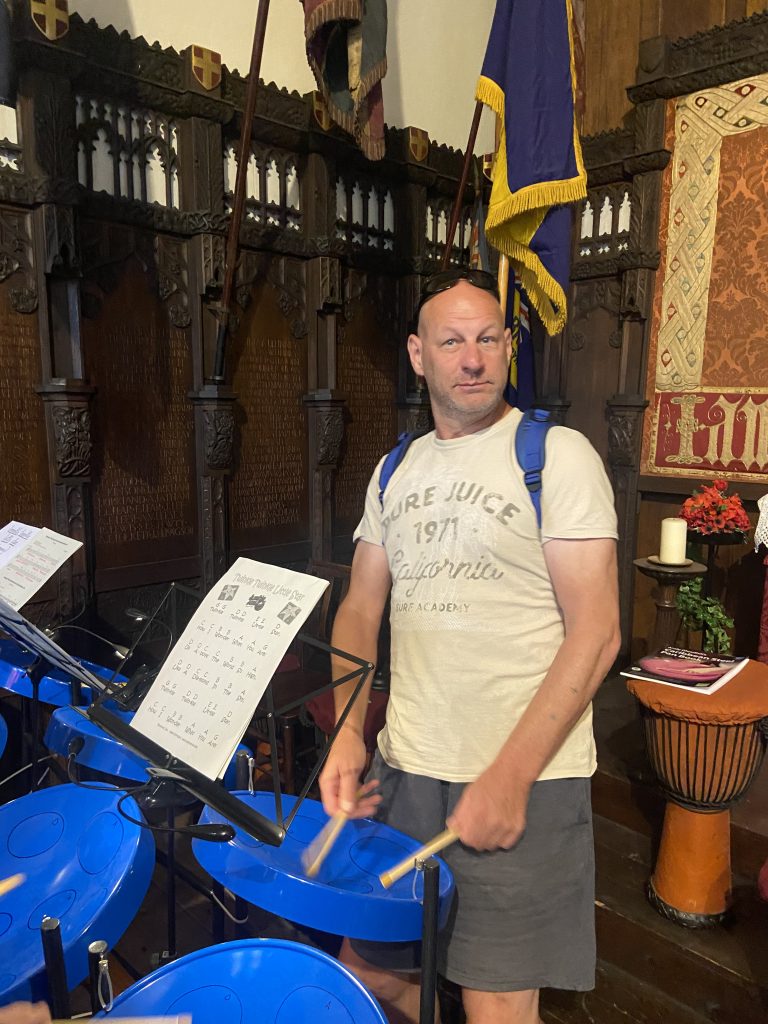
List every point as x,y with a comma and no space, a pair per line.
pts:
708,365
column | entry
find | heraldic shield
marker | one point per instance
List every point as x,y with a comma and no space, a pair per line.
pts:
320,111
418,144
206,66
51,17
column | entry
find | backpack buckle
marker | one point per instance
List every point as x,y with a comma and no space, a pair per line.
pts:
532,478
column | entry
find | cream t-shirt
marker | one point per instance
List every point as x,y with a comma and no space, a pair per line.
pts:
475,623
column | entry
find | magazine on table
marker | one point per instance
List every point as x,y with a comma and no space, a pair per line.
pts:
692,670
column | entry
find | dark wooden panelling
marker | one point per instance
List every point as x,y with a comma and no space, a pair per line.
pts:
24,486
268,496
367,375
143,483
614,32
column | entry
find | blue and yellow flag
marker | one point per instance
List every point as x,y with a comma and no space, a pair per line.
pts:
521,386
528,81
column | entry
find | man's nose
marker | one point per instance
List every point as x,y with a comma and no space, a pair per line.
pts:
472,357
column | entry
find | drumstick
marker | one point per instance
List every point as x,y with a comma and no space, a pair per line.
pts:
10,883
388,878
321,845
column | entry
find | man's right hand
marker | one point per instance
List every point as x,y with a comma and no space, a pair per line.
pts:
25,1013
340,787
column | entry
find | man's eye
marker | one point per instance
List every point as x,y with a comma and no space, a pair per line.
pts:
488,339
449,342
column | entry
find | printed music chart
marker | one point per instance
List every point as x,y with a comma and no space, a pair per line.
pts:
13,538
208,689
29,556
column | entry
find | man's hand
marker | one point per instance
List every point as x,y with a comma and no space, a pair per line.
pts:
490,814
340,778
25,1013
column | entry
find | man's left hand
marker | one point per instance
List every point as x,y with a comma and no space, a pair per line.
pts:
490,814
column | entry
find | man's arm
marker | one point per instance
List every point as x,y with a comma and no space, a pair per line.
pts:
491,813
355,629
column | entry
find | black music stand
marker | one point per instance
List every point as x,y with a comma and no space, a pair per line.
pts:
162,764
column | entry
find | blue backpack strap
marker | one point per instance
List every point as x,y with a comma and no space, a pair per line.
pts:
392,461
530,442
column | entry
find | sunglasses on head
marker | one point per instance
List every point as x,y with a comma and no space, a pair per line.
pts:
445,279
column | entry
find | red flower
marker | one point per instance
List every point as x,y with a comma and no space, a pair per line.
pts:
710,510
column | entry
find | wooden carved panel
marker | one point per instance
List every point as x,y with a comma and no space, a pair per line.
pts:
593,340
144,501
269,491
367,375
24,485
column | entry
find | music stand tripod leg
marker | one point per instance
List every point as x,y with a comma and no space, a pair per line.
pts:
36,673
429,933
55,970
171,883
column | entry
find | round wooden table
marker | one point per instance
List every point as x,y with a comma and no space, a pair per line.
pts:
668,579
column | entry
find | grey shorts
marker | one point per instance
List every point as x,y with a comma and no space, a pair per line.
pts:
521,918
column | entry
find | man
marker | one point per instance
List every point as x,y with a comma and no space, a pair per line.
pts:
501,635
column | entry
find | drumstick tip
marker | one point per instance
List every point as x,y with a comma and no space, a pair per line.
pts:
12,882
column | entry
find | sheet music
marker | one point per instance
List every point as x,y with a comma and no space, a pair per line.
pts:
207,691
32,564
13,537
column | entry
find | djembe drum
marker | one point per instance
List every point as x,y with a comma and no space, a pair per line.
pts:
705,749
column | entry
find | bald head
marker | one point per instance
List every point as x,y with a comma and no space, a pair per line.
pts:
461,299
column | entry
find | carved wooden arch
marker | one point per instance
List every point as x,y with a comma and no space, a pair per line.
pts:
162,258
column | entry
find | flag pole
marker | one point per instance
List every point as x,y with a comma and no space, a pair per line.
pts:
456,211
238,204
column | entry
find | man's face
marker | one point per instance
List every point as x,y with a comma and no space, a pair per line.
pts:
463,350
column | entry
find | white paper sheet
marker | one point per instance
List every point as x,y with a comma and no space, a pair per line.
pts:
207,691
32,564
13,538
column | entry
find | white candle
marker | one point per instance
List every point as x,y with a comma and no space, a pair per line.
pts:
673,537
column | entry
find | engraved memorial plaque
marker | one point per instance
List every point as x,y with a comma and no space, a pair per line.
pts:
367,375
144,496
268,497
24,484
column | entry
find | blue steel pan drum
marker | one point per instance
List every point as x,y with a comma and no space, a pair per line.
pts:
55,687
84,864
103,753
253,981
14,663
345,897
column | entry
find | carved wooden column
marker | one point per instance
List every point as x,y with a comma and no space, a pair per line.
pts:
625,424
202,178
214,406
325,405
625,409
214,437
414,414
68,424
46,107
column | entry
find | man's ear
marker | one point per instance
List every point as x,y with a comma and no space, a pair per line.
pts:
508,343
414,351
